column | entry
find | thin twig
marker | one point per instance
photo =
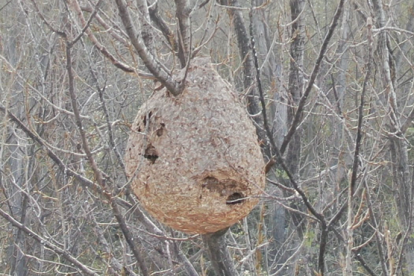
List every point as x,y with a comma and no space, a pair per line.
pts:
152,64
47,23
97,173
94,40
279,157
64,253
298,115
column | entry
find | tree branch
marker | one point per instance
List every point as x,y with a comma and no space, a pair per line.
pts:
97,173
219,255
243,43
298,116
182,13
166,31
44,242
279,156
152,64
99,46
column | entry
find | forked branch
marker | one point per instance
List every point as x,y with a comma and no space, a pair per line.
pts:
152,64
298,116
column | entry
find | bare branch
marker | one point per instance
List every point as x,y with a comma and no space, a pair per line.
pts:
163,26
279,156
119,64
48,24
314,74
152,64
65,254
98,174
183,11
218,253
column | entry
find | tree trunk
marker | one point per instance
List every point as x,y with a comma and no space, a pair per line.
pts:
295,90
398,144
220,258
249,72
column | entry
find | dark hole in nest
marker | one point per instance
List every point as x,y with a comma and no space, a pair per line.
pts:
213,184
147,117
235,198
151,153
160,131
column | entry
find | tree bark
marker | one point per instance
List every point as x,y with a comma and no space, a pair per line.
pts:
152,64
296,83
249,73
220,258
398,144
184,36
295,91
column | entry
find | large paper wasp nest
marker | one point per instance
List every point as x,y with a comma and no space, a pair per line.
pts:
194,159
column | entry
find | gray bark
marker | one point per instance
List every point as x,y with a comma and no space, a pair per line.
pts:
220,258
405,46
296,83
267,61
249,73
17,202
341,84
146,27
183,11
295,90
150,61
398,145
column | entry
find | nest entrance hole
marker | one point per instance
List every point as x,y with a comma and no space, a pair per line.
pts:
235,198
151,154
226,188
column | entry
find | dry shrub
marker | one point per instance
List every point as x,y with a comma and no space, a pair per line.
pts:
195,159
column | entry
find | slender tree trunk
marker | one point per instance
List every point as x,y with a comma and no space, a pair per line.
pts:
220,258
295,81
295,91
184,37
398,144
249,72
405,46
